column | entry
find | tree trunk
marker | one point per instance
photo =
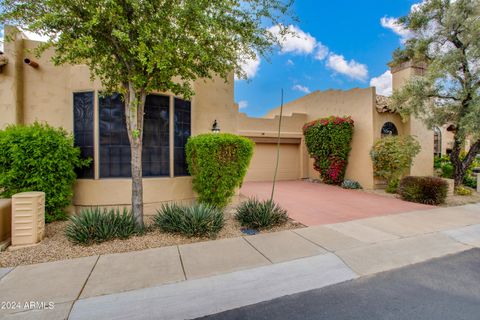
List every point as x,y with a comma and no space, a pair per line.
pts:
460,166
134,112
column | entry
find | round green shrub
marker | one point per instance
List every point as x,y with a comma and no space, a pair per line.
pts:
94,225
328,143
198,220
39,157
427,190
218,163
258,215
392,156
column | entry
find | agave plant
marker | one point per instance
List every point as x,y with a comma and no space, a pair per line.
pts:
258,215
197,220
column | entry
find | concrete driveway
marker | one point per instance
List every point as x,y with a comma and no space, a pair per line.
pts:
314,204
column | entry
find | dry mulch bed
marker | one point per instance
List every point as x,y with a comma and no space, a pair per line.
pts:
56,246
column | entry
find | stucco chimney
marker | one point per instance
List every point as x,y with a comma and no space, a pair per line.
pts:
401,73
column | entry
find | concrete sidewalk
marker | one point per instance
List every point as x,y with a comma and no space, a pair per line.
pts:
198,279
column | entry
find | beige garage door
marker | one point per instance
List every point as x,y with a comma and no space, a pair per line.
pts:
262,165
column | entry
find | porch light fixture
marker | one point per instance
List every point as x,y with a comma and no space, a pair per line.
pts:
215,127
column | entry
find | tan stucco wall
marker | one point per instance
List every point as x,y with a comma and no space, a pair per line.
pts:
45,94
357,103
423,162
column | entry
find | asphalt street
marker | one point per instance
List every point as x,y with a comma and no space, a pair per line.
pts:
447,288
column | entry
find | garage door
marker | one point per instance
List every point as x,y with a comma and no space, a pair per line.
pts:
262,165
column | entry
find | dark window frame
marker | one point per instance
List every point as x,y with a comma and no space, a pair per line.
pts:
151,161
84,131
389,129
182,130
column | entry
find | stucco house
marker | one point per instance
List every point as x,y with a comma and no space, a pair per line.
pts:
34,89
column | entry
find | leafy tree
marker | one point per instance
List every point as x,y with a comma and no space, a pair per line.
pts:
137,47
446,37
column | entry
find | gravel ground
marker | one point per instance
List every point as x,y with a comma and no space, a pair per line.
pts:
56,246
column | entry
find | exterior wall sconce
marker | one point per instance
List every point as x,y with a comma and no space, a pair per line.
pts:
31,63
215,127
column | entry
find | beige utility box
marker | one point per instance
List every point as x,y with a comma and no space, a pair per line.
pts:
28,218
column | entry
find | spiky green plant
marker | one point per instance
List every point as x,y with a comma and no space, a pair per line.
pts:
95,225
197,220
258,215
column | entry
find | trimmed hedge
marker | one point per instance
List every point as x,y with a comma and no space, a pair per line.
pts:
95,225
198,220
392,156
328,143
218,163
427,190
39,157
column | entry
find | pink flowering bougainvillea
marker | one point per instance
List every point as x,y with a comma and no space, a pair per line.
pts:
328,143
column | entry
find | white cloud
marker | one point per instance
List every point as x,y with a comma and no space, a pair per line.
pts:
399,29
295,41
351,69
242,104
383,83
322,51
301,88
250,66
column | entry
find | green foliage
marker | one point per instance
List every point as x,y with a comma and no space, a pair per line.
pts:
218,163
96,225
351,184
198,220
392,186
463,191
328,143
427,190
140,47
258,215
445,169
148,44
39,157
392,156
445,38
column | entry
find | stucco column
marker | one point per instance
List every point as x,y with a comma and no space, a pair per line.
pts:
423,162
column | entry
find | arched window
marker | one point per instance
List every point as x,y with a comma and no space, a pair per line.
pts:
389,129
437,141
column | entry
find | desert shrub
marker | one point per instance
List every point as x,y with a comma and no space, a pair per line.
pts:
427,190
95,225
197,220
39,157
444,168
328,143
463,191
392,186
218,163
351,184
257,215
392,156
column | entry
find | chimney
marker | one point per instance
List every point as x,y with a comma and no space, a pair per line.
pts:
406,70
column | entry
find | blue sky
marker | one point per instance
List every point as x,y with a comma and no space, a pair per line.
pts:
341,44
